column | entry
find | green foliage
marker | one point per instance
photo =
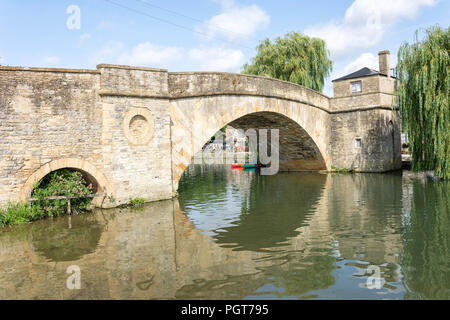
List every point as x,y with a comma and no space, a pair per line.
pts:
296,58
63,182
14,214
18,213
56,242
426,242
423,74
136,202
111,198
338,170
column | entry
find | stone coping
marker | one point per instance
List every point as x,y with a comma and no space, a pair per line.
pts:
57,70
144,94
363,109
359,94
114,66
247,76
118,66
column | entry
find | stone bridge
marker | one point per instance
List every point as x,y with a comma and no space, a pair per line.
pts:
133,131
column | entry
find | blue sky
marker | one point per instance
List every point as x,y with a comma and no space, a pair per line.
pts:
204,35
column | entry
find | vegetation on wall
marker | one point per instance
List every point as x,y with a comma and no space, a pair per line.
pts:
295,57
63,182
423,75
137,202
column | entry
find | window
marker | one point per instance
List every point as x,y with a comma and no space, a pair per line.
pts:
358,143
356,87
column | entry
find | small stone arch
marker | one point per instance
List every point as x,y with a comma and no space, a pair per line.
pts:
87,169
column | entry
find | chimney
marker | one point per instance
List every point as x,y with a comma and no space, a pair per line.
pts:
383,60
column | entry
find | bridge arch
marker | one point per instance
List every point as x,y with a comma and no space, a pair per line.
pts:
203,103
90,172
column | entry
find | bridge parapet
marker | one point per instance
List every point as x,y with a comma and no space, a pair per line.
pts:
120,80
197,84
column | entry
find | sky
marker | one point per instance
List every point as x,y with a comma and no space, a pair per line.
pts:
205,35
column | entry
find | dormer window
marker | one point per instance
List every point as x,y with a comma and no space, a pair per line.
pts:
356,87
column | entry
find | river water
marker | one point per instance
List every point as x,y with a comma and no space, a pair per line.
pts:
234,234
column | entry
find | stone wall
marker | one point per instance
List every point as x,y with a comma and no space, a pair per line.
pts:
135,130
46,115
201,84
378,148
366,132
376,91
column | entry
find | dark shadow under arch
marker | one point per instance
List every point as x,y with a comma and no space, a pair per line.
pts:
298,151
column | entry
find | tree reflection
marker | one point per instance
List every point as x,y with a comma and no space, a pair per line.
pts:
275,208
67,239
265,210
426,238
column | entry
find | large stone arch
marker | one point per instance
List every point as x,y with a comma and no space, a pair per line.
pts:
72,163
209,101
297,150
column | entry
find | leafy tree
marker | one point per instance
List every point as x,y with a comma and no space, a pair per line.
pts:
423,74
296,58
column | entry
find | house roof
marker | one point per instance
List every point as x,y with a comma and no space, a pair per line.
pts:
364,72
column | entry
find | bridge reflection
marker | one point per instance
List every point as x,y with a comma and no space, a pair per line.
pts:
249,211
289,236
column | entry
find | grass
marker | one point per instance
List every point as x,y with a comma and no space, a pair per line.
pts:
15,214
137,202
337,170
63,182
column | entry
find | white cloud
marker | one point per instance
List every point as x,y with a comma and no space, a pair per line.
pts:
2,61
104,25
236,22
109,53
83,38
148,54
367,59
152,55
216,59
51,60
365,23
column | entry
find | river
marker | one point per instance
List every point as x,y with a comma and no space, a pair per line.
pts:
234,234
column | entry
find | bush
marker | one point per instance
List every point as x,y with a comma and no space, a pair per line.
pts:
63,182
13,214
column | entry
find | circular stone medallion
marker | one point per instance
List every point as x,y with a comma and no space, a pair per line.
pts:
138,126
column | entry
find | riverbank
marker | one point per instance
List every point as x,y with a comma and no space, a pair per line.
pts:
15,214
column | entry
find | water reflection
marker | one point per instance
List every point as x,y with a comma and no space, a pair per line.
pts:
67,239
426,240
237,235
250,212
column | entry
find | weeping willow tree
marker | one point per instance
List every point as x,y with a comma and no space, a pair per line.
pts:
296,58
423,74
